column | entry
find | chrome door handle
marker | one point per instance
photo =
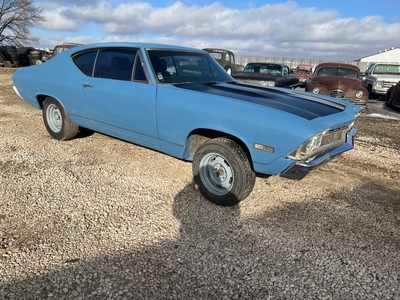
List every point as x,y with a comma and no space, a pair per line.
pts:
87,85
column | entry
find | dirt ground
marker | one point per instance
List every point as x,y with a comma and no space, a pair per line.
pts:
342,218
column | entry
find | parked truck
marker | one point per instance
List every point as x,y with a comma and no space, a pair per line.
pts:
379,77
225,58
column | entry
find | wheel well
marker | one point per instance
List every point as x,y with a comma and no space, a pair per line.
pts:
199,136
40,99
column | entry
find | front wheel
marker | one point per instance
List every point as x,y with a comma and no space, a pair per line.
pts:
57,121
371,95
387,98
222,172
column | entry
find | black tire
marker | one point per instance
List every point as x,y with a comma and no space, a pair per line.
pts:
387,97
57,121
371,95
222,172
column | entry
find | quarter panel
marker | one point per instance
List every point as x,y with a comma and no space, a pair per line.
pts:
58,78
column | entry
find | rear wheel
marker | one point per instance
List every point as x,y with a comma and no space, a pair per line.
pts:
222,172
57,121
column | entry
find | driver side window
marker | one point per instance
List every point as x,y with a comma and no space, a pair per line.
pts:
285,71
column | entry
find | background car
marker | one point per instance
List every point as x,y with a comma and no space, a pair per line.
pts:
339,81
393,96
225,58
302,72
57,50
267,74
181,102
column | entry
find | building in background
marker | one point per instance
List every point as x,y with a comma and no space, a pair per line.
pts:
391,55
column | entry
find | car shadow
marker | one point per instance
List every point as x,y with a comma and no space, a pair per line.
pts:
220,253
84,133
380,108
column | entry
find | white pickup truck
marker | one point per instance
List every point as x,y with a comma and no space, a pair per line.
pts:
379,77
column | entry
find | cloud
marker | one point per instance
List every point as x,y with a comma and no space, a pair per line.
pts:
56,20
271,29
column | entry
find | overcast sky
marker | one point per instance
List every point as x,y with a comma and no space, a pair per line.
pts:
331,30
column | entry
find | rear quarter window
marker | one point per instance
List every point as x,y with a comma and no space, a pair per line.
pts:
85,62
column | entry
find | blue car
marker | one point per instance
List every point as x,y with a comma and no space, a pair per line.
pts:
181,102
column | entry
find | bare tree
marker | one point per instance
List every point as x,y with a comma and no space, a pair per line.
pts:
16,17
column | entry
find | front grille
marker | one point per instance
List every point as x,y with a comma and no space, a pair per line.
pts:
334,137
337,93
388,84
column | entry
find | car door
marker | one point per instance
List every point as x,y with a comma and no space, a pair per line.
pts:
118,98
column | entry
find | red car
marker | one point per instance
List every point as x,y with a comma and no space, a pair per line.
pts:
340,81
302,72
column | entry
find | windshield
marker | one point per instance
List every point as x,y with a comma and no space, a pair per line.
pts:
300,71
217,56
263,69
387,69
338,72
174,66
59,49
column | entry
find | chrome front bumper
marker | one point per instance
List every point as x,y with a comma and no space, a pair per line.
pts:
300,169
380,92
360,102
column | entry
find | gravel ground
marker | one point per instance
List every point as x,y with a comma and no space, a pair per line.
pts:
99,218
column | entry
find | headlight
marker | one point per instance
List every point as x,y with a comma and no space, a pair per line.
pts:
308,148
268,83
378,85
315,90
321,142
359,94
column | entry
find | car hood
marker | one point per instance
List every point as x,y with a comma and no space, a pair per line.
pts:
255,76
333,82
305,76
302,104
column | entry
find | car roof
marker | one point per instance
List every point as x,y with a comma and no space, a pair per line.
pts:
331,64
134,45
265,64
303,67
386,63
65,46
217,50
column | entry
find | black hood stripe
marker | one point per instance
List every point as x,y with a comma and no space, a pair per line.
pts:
305,105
